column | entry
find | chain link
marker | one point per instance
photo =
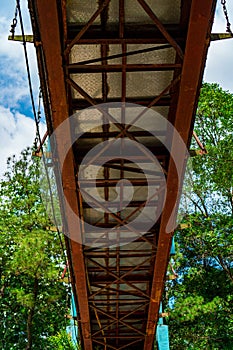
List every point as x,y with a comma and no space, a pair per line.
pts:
39,106
38,119
35,143
14,23
228,28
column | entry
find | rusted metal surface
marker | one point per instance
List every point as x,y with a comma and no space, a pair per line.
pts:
105,55
47,13
79,68
161,28
201,16
200,144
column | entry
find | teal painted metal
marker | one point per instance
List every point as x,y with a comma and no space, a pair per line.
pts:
48,153
160,321
73,307
72,329
162,337
173,250
48,145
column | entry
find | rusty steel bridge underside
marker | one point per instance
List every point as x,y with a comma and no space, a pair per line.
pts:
146,52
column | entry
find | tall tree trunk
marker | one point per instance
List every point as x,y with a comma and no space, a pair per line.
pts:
31,314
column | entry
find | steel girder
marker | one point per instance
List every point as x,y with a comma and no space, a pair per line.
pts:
90,53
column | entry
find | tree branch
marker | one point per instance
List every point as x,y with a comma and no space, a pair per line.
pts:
222,264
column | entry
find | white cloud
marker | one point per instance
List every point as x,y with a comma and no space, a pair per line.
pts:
16,133
13,78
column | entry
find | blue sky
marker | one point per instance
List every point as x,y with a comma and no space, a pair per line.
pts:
17,129
219,62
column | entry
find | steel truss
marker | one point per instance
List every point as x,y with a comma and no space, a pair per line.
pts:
118,290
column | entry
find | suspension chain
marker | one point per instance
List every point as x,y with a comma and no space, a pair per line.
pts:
38,119
228,28
14,23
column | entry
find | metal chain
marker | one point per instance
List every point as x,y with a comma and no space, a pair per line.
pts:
35,144
39,106
38,118
14,23
228,28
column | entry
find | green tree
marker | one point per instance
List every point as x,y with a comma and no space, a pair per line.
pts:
201,298
62,341
33,300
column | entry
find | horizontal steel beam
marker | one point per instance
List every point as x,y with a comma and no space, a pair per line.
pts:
125,204
141,33
121,253
136,278
92,269
78,104
113,182
75,68
111,134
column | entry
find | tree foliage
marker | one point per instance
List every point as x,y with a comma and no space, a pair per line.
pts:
61,341
201,298
34,301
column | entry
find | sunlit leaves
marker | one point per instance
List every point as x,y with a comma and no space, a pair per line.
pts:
202,308
32,297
